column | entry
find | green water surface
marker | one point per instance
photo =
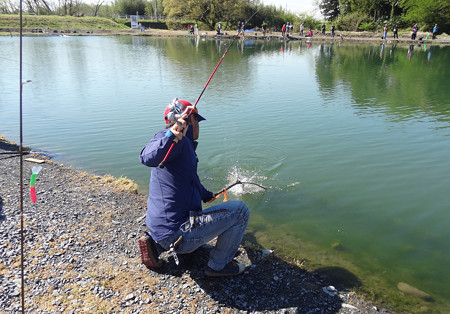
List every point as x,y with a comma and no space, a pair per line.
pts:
352,141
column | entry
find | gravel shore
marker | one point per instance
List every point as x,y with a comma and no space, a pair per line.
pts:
82,256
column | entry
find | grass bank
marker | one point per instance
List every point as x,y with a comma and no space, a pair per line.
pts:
12,21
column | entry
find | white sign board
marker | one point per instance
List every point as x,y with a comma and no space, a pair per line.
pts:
134,21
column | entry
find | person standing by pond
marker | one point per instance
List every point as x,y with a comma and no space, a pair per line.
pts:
175,217
283,30
414,31
264,28
219,29
435,31
385,32
332,30
395,31
302,28
323,29
196,28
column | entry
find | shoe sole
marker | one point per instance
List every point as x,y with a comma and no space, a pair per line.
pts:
148,257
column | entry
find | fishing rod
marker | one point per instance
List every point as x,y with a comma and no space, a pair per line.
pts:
22,235
224,190
193,108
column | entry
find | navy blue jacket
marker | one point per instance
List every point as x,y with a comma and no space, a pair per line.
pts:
175,189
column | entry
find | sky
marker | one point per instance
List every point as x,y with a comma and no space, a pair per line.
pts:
296,6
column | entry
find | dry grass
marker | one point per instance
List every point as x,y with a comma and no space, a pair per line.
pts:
123,183
118,185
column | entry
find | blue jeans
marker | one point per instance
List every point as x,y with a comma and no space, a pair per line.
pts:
226,221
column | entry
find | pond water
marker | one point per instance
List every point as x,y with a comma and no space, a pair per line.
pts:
352,141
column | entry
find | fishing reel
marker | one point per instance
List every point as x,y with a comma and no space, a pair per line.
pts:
175,110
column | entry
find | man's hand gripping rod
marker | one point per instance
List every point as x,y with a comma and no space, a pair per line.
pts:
161,165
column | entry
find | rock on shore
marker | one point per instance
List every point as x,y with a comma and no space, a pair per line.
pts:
81,255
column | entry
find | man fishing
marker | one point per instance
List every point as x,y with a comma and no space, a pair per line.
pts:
175,217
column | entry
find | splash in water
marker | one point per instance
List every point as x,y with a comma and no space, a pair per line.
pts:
236,174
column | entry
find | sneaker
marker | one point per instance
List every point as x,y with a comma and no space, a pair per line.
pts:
233,268
149,252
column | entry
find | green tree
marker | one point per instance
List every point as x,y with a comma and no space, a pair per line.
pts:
309,21
96,6
234,11
345,7
427,13
176,8
330,9
154,10
276,17
209,12
106,11
130,6
373,8
271,15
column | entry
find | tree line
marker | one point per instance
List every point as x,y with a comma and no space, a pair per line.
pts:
346,15
374,14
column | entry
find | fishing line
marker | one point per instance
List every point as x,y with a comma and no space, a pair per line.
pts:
18,61
190,110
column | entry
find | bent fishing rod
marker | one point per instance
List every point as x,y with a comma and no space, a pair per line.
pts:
224,190
193,108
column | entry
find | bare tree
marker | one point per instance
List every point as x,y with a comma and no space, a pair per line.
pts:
9,6
30,6
97,6
71,7
34,6
42,4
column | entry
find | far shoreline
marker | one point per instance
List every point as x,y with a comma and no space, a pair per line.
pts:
340,37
